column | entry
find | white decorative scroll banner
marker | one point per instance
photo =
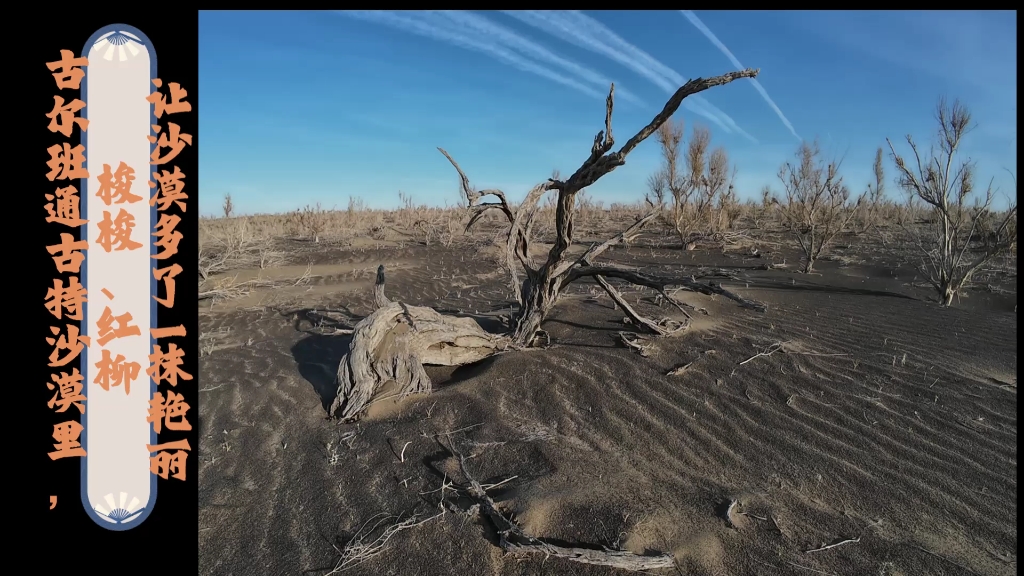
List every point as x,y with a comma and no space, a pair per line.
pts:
118,489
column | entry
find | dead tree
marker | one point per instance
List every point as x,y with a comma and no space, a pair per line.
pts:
945,185
396,340
815,210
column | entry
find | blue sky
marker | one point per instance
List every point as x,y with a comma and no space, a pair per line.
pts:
306,107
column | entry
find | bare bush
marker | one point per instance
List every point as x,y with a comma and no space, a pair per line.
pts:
313,221
407,215
373,538
694,183
871,212
293,224
449,229
356,206
816,206
729,210
669,178
232,244
945,185
586,209
760,211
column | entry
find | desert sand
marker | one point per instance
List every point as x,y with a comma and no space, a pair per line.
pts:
855,427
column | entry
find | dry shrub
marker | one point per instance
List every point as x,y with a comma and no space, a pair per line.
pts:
312,221
872,210
586,210
228,207
760,212
729,210
816,207
696,184
962,232
450,228
233,244
355,206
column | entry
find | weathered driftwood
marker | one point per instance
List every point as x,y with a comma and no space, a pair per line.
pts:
396,341
379,299
621,559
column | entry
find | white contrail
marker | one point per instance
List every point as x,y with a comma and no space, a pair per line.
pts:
437,27
589,34
735,62
557,23
699,104
673,76
485,28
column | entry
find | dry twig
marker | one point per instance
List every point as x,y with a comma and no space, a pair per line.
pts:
359,548
766,352
834,545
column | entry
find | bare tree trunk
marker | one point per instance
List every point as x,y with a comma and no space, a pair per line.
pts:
538,299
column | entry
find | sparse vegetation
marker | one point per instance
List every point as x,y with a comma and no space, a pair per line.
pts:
728,376
380,355
952,227
266,259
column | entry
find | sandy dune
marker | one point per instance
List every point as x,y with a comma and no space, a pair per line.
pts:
872,417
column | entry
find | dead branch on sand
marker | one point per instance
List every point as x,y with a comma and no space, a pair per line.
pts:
396,340
786,346
630,340
772,349
513,539
834,545
679,370
360,548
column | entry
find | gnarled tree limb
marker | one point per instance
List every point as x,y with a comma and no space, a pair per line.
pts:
518,243
659,284
596,250
663,328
